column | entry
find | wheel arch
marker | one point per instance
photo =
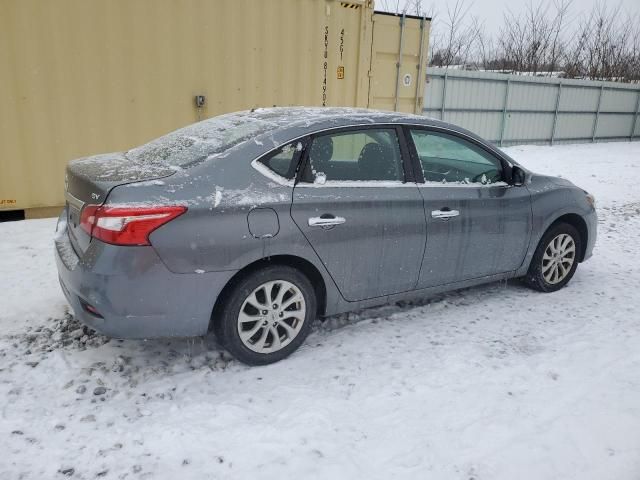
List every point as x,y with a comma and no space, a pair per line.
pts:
577,222
300,264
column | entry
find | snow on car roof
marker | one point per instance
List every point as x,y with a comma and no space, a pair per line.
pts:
219,134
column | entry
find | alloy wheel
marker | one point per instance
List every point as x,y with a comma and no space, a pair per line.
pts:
558,258
271,316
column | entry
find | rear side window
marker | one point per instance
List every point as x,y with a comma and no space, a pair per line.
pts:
359,155
450,159
282,161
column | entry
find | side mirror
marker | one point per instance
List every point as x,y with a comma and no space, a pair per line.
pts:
518,176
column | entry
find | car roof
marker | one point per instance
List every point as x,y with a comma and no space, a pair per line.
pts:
308,120
288,123
252,133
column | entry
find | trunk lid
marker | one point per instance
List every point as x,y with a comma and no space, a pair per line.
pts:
89,180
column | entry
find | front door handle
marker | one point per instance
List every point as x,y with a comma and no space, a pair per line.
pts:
326,221
444,213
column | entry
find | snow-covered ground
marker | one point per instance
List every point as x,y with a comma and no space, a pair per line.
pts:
495,382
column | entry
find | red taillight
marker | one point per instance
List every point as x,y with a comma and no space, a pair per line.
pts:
126,225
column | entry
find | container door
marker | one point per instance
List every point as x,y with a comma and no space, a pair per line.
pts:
364,221
398,55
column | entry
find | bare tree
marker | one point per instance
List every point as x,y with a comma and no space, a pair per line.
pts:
458,38
533,41
558,27
543,39
486,52
455,36
414,7
390,6
607,47
633,60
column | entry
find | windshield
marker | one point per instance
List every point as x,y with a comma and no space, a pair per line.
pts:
201,140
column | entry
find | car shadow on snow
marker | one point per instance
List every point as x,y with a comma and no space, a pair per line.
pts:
462,297
101,369
138,359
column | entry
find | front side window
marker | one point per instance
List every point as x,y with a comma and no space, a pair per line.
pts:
359,155
450,159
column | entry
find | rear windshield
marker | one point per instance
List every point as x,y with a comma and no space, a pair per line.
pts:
201,140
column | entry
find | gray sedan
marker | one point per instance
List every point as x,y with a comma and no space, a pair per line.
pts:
254,223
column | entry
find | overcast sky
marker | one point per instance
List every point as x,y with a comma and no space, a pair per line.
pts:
491,11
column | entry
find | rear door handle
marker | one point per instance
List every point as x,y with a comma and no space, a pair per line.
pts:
445,213
326,221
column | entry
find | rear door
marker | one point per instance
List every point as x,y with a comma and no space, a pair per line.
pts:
477,224
360,212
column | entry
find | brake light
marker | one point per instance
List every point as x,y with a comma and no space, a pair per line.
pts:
126,225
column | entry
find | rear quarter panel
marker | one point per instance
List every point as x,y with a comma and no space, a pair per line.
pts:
214,234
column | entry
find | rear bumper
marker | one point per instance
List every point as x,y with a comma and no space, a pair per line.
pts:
135,294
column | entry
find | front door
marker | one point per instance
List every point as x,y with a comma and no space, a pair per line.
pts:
362,217
477,225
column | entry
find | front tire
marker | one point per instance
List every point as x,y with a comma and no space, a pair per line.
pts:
267,316
555,259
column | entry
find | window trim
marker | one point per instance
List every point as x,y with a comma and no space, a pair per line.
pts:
405,158
419,174
404,125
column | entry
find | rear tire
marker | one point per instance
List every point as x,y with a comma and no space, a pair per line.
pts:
267,316
555,259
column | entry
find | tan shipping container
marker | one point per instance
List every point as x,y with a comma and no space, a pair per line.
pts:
79,77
